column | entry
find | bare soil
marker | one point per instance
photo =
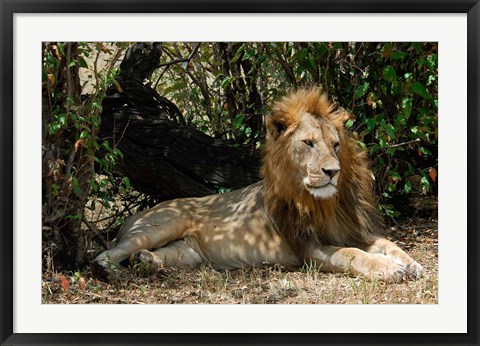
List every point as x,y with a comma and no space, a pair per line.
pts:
273,285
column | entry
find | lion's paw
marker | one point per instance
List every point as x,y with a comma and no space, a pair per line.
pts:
103,268
144,263
142,257
414,270
387,270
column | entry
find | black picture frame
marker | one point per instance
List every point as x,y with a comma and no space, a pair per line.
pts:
10,7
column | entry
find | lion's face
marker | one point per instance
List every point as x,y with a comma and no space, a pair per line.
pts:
304,145
314,146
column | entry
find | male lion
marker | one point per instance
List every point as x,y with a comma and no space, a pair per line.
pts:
315,204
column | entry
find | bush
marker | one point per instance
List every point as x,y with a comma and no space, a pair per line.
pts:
390,88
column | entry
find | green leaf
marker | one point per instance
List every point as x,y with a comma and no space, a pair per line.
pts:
126,181
95,121
432,61
75,187
382,143
419,88
320,48
425,182
248,54
400,120
51,60
349,123
238,121
425,151
118,153
361,145
396,55
261,59
407,187
177,86
362,90
407,106
410,169
387,50
83,62
370,124
61,50
94,184
391,151
55,188
395,176
422,62
374,149
62,119
226,82
312,61
73,63
302,54
391,131
389,73
238,53
83,134
106,145
417,46
97,106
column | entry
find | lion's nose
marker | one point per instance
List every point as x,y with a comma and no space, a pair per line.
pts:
330,172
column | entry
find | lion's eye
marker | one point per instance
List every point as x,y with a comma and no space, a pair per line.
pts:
308,142
336,146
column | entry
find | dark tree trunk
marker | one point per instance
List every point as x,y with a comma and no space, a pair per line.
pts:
161,157
66,169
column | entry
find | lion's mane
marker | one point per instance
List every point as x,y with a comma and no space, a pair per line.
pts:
350,217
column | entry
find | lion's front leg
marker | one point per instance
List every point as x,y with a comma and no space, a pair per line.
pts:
373,266
385,247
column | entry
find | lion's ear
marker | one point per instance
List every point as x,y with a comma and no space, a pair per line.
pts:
277,125
340,116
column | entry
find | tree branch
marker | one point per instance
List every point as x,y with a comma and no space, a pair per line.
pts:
416,140
187,59
94,231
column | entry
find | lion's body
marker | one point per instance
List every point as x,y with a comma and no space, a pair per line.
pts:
314,204
228,231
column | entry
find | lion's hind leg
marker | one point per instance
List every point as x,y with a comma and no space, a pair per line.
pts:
175,254
107,264
143,233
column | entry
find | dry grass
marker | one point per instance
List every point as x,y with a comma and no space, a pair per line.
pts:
272,285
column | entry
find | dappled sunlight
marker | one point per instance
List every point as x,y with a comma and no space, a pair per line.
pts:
274,221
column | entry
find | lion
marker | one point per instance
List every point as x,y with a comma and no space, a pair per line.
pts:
314,205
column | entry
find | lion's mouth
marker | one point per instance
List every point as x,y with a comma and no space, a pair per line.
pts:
323,191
